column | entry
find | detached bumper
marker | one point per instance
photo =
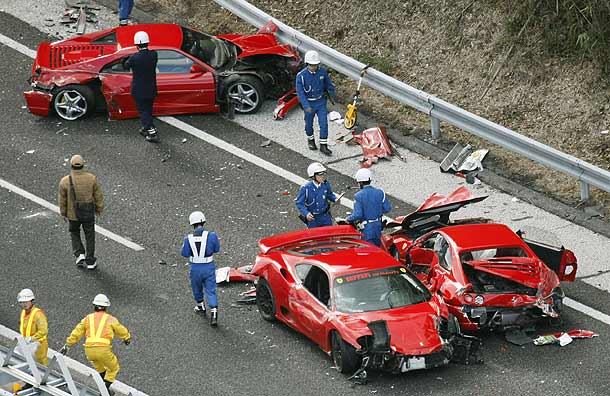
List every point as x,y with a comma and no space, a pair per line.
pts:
39,103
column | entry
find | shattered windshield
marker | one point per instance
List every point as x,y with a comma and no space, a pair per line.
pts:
485,254
209,49
378,290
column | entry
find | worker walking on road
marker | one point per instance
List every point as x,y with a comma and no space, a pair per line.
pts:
314,197
144,84
100,328
370,204
200,247
313,84
33,325
81,186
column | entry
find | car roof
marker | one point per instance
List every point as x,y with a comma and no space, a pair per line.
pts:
473,236
353,260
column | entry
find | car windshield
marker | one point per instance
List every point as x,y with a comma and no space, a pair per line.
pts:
378,290
209,49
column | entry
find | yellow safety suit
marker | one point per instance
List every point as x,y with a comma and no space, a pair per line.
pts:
99,328
34,324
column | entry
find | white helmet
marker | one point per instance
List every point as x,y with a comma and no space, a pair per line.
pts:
25,295
141,38
364,175
312,58
315,168
101,300
197,217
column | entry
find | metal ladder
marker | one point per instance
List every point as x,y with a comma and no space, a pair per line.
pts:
17,364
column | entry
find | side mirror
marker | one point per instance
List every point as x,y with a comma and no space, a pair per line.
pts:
197,68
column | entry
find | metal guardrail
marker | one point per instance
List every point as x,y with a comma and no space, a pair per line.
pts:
438,110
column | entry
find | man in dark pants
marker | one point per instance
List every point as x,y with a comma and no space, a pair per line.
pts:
85,189
144,83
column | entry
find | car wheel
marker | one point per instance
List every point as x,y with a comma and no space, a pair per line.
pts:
246,93
265,300
344,355
73,101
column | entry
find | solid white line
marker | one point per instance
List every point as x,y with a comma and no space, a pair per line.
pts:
594,313
274,169
55,208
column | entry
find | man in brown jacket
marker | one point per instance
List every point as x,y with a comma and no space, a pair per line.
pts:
86,189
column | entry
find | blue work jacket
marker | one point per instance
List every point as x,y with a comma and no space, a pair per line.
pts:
370,204
144,77
314,198
312,87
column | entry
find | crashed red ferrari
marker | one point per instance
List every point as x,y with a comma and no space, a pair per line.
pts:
196,72
489,276
356,302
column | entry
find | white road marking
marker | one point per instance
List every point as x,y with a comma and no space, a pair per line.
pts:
267,166
55,208
594,313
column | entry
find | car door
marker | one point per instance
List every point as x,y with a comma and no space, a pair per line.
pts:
184,85
305,303
116,88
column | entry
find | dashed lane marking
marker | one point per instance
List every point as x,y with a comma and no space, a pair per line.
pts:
595,314
55,208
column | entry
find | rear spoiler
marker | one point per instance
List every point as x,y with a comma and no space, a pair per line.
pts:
311,234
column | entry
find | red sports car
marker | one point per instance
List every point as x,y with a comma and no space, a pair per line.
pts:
489,276
355,301
196,72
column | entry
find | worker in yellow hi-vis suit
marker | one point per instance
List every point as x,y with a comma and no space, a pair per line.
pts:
33,325
99,327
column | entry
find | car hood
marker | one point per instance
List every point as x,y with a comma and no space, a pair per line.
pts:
413,329
438,205
527,271
258,44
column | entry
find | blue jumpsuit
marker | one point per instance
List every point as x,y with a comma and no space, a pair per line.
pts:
203,275
144,83
313,198
370,204
311,89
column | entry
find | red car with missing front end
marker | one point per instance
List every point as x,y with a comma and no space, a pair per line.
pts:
196,72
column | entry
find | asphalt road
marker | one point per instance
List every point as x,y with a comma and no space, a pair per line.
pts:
150,190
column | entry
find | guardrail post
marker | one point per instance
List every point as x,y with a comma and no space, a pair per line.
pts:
435,128
584,191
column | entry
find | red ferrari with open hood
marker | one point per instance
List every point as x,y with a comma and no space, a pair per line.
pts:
196,72
356,302
489,276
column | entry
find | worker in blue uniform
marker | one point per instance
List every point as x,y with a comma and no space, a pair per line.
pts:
144,84
200,247
370,204
314,197
313,84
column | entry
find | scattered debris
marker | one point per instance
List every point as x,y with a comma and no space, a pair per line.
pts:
375,145
247,297
241,274
285,192
162,262
266,143
184,140
335,117
222,274
564,338
30,151
463,159
517,337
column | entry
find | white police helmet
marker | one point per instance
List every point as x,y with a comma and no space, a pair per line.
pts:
315,168
364,175
25,295
312,58
101,301
141,38
197,217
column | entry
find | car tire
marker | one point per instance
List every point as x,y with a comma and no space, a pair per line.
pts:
246,93
265,301
344,355
73,102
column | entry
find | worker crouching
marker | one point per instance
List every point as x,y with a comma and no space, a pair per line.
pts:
100,328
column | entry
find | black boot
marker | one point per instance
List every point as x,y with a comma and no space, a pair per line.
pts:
312,144
214,317
143,131
325,150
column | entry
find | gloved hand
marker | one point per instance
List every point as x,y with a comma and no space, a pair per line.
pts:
127,341
64,349
341,221
29,340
